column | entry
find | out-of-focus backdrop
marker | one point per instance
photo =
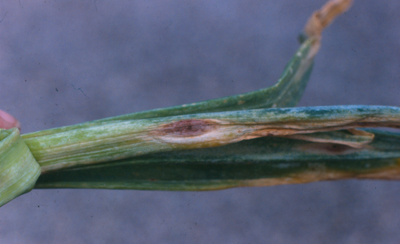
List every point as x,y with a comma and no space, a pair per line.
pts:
67,62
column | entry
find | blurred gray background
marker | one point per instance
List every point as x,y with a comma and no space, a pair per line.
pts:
67,62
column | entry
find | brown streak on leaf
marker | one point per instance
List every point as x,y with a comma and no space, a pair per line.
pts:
326,148
301,178
386,173
186,128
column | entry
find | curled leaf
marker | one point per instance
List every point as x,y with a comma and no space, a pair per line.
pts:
352,137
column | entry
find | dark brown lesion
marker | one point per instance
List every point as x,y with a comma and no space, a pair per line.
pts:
327,148
186,128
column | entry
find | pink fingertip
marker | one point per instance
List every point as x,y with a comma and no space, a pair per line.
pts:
7,121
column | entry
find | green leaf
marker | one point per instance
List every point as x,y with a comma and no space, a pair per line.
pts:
285,93
145,150
112,140
258,162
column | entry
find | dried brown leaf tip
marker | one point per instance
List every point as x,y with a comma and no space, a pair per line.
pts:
323,17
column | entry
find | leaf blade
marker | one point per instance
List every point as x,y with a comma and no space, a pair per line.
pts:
258,162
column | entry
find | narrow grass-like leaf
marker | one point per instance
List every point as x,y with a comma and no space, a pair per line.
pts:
285,93
117,140
172,148
258,162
